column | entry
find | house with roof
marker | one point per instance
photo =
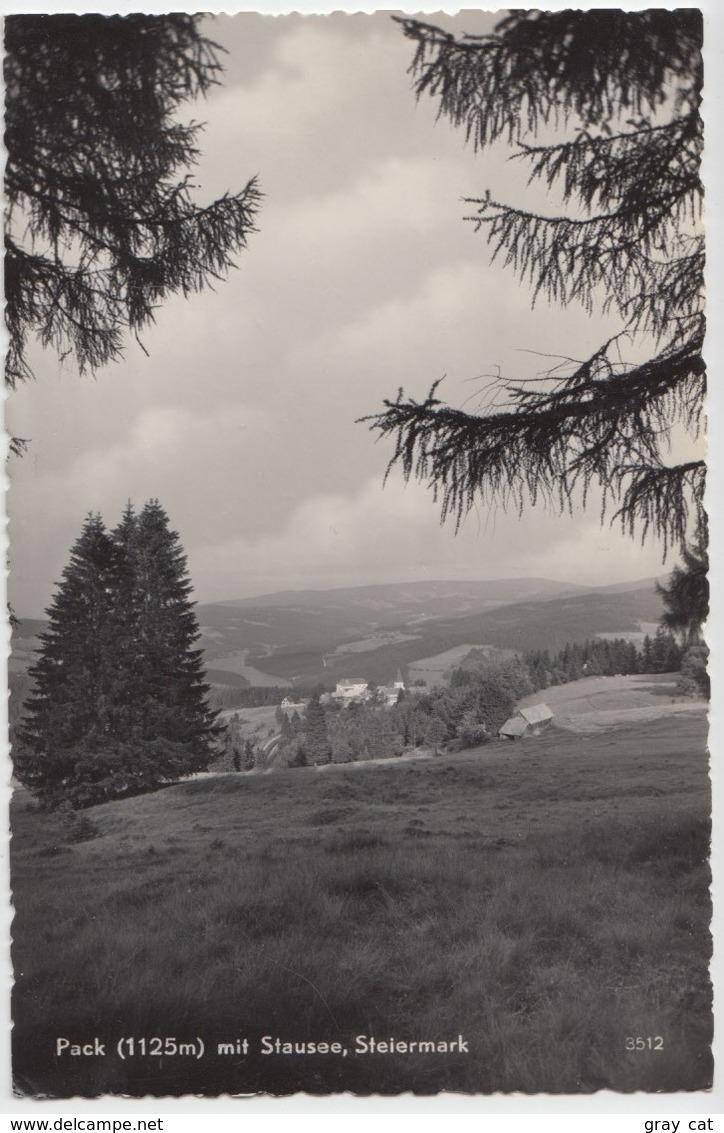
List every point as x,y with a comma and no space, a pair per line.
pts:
527,722
354,690
289,705
351,689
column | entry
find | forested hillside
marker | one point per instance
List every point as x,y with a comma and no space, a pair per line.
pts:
521,626
302,637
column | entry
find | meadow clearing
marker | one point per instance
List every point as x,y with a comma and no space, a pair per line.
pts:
601,704
546,900
435,671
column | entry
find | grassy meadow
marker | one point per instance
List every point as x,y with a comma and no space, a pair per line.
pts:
546,900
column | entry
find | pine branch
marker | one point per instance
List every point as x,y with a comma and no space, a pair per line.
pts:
651,167
596,427
628,240
101,225
542,68
566,259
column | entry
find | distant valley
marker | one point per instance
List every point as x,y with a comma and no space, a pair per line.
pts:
301,637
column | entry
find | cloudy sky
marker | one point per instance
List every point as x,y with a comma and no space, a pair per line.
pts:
363,277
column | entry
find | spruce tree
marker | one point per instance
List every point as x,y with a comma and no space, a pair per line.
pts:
72,709
318,747
665,653
249,756
686,597
162,631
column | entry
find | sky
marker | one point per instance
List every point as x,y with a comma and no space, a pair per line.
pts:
363,277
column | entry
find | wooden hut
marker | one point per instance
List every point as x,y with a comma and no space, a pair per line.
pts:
527,722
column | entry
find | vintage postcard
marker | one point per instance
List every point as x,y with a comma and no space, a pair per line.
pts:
358,554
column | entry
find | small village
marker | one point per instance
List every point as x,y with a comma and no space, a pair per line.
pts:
358,721
486,698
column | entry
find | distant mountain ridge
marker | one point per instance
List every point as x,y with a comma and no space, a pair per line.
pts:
437,590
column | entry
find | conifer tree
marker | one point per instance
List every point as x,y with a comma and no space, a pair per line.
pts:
665,653
286,728
167,669
73,704
249,755
686,602
316,740
686,595
299,757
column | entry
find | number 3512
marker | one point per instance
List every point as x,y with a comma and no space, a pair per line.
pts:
651,1042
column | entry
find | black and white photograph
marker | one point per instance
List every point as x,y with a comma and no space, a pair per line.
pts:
358,554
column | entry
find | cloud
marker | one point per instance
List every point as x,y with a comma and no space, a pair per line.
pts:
363,277
336,539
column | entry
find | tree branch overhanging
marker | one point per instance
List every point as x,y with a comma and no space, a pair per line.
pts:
603,425
101,223
626,241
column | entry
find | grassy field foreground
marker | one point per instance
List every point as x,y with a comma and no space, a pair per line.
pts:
547,901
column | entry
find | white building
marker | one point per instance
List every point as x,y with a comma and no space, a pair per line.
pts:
354,690
290,705
351,689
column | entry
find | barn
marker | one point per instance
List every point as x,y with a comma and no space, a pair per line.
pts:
527,722
513,728
538,717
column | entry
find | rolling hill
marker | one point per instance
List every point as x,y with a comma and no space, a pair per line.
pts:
298,635
320,620
301,637
324,638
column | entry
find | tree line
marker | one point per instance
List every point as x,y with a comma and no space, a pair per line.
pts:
604,657
256,696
